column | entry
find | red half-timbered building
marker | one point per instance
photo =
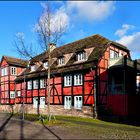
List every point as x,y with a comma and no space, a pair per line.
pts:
81,71
10,68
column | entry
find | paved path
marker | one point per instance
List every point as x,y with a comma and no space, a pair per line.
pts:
17,129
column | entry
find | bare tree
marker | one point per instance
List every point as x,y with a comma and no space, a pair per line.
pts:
49,28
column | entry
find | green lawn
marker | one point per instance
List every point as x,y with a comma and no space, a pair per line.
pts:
87,128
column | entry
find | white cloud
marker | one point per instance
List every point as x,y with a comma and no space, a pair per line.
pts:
131,41
20,35
125,27
59,20
91,10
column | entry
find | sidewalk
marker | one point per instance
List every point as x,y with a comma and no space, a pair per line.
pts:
19,129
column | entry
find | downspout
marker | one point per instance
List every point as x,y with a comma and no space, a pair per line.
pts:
95,93
15,95
23,97
124,77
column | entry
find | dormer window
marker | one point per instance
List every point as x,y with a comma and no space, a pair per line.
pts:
114,54
81,56
45,65
61,61
33,67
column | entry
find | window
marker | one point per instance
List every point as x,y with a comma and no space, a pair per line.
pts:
138,85
42,102
42,83
33,68
114,54
35,84
81,56
13,71
61,61
12,94
45,65
78,102
29,84
18,93
35,102
67,80
78,79
4,71
67,102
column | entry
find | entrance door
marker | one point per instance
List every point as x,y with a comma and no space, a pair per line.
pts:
67,102
78,102
35,102
42,102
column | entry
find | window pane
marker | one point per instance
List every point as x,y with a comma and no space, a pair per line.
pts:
78,79
67,102
67,80
78,102
81,56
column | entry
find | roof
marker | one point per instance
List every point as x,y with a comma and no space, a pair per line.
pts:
119,45
15,61
88,42
98,42
138,60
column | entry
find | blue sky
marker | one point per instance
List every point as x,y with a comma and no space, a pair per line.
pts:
117,21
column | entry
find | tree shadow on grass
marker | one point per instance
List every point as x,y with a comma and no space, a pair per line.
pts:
50,130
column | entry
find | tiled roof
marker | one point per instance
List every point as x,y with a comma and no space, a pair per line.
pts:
98,42
15,61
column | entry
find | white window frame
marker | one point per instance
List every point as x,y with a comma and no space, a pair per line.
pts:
19,93
81,56
42,83
42,102
61,61
113,54
12,95
33,68
29,84
78,103
78,79
68,80
35,84
4,71
35,102
45,65
138,83
13,71
67,102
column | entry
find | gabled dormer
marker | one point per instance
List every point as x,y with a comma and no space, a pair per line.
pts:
61,60
81,55
45,64
33,68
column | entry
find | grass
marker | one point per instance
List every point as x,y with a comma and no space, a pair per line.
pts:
71,119
36,118
87,128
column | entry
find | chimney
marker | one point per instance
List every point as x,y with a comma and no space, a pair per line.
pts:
52,46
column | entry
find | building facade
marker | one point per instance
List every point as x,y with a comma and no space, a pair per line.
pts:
90,72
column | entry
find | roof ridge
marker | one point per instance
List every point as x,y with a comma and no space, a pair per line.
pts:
14,57
70,44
